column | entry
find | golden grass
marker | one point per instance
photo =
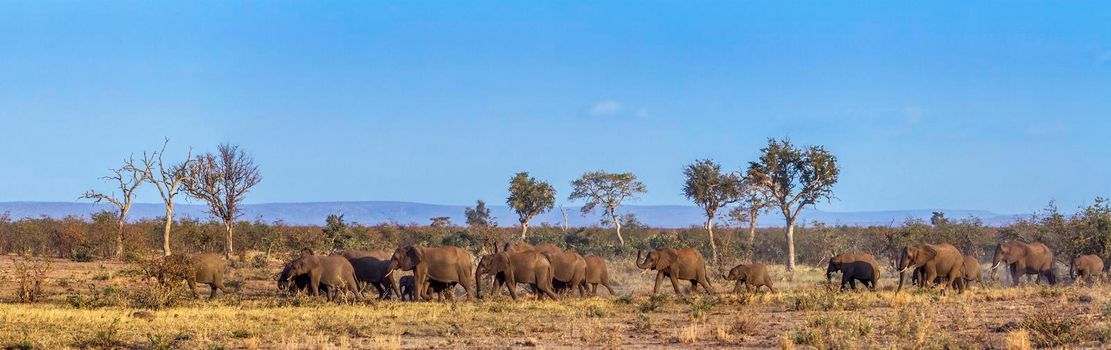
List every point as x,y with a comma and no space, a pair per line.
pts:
806,313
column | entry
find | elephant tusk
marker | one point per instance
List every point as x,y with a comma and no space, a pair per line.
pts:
388,274
905,268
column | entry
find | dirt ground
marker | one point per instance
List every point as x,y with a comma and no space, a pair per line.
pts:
111,305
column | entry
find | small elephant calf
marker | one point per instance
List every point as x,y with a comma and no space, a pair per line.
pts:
750,275
857,271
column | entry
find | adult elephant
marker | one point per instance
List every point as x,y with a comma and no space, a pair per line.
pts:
543,248
333,272
852,271
1086,268
1025,259
568,271
676,264
596,274
205,268
750,275
845,258
511,268
373,268
445,265
938,261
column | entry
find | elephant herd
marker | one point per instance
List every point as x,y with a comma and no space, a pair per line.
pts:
435,272
549,272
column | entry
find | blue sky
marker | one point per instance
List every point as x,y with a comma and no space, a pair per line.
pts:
992,105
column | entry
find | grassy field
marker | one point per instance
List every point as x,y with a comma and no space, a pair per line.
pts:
106,305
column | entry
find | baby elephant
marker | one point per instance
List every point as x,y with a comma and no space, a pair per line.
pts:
750,275
856,271
445,291
1086,268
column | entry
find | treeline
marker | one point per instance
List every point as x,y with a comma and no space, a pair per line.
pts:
1088,231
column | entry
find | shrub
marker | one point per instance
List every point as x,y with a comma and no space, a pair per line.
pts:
1050,329
30,276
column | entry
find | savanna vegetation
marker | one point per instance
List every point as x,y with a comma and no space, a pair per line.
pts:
105,281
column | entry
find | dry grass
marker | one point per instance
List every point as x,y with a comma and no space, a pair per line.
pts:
803,314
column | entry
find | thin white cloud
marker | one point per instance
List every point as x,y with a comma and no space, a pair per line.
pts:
605,108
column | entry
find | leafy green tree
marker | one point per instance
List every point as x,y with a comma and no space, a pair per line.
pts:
711,189
606,190
337,232
795,178
440,222
529,197
938,219
480,216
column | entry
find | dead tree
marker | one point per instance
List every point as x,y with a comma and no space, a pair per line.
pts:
127,178
222,180
168,181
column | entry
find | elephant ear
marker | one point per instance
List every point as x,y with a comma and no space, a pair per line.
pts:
415,254
666,258
927,253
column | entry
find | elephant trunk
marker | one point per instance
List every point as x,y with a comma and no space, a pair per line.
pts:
902,276
996,259
643,265
478,283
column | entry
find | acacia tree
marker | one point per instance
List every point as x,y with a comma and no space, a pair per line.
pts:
167,181
479,216
529,197
222,180
711,190
607,190
794,177
753,202
127,178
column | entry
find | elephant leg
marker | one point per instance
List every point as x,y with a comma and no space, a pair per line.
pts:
608,288
736,287
659,279
675,283
212,290
192,287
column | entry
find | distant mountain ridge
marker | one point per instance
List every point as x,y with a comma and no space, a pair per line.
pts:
374,212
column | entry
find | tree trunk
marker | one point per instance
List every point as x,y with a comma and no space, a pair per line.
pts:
790,249
617,223
119,238
229,249
166,230
524,230
713,245
751,235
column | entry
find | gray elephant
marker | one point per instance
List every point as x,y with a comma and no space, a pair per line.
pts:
596,274
1086,268
750,275
204,268
333,272
445,265
373,268
294,284
938,261
1025,259
854,271
676,264
848,258
511,268
569,271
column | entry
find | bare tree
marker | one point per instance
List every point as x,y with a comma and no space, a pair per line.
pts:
755,200
607,190
168,181
711,190
128,178
222,180
795,177
529,197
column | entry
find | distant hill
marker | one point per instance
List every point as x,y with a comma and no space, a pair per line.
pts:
669,216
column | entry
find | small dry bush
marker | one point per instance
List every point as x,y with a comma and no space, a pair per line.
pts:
30,277
1018,339
826,300
1050,329
835,332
